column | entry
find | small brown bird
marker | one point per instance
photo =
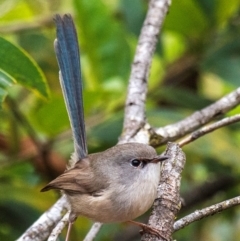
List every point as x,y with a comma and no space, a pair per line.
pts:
115,185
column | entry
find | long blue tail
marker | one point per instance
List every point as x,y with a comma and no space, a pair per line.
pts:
67,52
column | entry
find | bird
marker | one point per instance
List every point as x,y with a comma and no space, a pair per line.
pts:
115,185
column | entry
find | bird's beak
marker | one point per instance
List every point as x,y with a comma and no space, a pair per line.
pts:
159,158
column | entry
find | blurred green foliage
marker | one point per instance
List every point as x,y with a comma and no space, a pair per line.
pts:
196,62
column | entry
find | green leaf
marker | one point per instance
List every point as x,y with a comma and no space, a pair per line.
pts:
16,66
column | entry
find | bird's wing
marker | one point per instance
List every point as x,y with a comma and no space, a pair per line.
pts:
67,52
79,179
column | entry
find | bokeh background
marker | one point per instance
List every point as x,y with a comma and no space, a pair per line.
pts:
196,62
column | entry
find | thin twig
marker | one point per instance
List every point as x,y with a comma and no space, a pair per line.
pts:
203,213
59,227
93,232
41,229
207,129
199,118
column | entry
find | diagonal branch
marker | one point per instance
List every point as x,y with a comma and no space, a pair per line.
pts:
207,129
203,213
134,116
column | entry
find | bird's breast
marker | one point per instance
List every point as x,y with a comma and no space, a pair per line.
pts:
134,198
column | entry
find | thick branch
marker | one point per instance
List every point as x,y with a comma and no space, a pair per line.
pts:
203,213
198,118
167,204
134,116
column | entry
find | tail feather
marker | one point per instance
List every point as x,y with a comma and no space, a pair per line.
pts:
68,57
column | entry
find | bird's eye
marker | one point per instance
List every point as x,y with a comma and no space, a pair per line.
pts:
136,163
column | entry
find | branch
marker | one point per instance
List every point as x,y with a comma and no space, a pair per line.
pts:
167,204
199,118
134,116
203,213
207,129
41,229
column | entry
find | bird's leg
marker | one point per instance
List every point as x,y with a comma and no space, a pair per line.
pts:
69,230
146,228
72,218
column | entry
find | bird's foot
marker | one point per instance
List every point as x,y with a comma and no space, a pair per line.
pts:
147,229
